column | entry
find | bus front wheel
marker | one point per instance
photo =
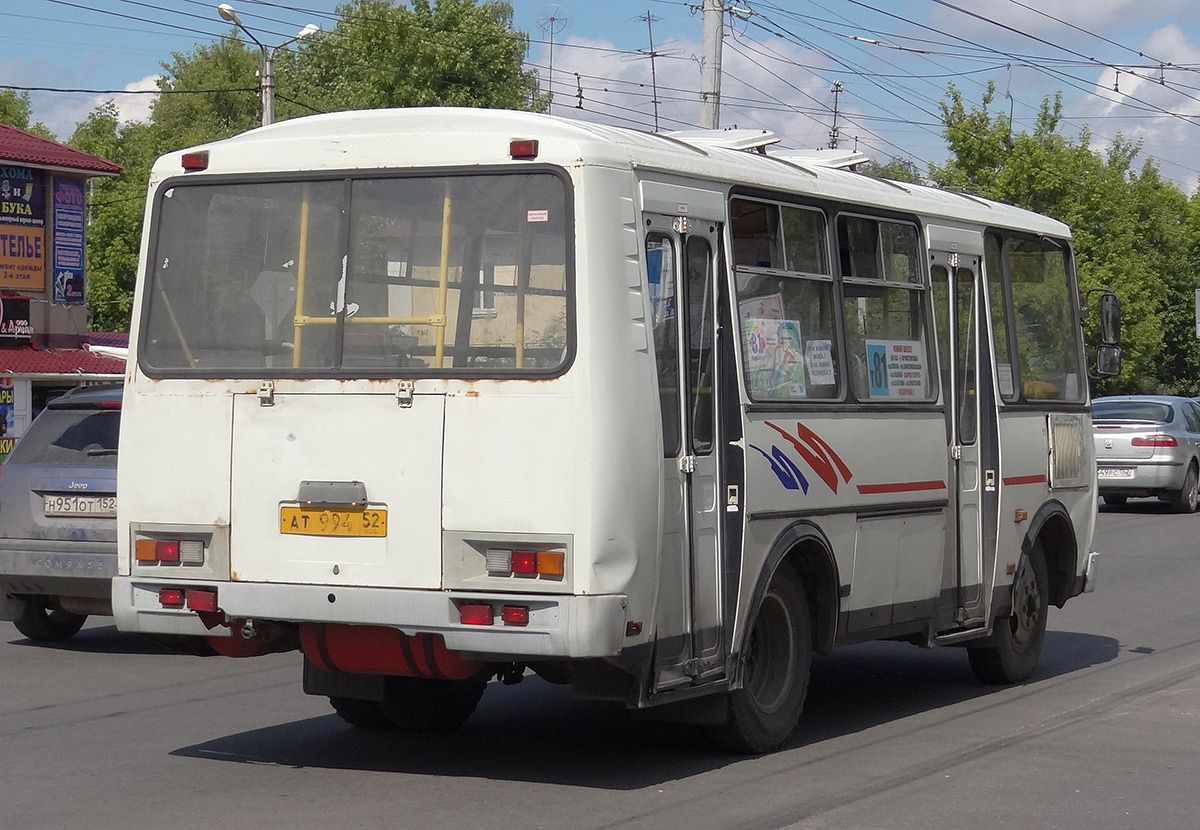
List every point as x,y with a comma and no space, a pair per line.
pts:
1016,646
764,712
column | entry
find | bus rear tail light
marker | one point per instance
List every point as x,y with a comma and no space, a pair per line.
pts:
169,551
524,562
1155,441
171,597
514,615
475,613
504,562
201,599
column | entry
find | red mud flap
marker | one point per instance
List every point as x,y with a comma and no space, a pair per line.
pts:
372,649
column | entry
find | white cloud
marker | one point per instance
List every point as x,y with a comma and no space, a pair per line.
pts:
1161,108
133,107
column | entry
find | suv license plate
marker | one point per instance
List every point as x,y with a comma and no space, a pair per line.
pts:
91,506
1114,472
308,521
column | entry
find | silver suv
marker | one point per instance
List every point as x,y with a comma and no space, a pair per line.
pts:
58,516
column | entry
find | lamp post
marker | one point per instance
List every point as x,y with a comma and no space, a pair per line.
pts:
268,58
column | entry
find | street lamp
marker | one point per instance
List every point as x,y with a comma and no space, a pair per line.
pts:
268,58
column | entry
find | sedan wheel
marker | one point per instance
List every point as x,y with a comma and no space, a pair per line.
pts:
1186,498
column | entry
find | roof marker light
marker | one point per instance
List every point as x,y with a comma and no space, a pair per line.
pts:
195,161
523,148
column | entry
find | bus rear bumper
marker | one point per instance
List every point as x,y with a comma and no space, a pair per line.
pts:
558,626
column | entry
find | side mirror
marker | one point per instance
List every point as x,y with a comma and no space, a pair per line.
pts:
1108,360
1110,320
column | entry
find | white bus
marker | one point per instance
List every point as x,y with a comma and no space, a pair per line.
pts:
442,395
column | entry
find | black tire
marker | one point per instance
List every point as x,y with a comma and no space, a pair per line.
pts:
1185,499
421,705
1115,501
365,714
38,621
1016,645
778,657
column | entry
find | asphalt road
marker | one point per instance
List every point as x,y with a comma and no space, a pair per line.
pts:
110,731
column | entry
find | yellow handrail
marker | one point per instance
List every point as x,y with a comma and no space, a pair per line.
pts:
301,271
443,280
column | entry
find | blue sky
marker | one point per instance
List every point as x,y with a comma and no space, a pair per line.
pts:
893,58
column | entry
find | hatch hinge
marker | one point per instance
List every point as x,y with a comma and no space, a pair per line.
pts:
956,452
687,464
404,393
266,393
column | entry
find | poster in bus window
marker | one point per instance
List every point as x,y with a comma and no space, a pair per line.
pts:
896,369
774,357
818,359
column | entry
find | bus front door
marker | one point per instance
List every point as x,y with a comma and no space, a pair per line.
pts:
689,631
973,441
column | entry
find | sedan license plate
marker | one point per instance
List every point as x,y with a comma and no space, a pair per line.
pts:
87,506
310,521
1114,472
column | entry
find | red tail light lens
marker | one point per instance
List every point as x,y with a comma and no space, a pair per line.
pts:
166,551
524,562
475,613
171,597
195,161
514,615
523,148
199,599
1155,441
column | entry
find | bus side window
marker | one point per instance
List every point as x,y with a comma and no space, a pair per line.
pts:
884,309
1047,360
660,274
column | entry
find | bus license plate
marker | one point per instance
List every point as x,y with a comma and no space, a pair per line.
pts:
87,506
1114,472
308,521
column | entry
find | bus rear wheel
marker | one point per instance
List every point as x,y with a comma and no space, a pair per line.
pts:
365,714
421,705
764,712
1016,645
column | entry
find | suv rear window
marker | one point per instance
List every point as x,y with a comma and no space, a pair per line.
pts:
76,437
1132,411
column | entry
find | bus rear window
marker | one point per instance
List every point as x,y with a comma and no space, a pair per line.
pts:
451,275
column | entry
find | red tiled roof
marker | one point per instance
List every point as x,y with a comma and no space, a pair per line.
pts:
26,148
30,360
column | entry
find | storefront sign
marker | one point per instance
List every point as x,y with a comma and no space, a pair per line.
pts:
22,228
14,320
68,241
22,197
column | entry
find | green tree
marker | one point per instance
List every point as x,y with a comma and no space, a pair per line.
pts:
1128,224
895,169
115,206
15,111
440,53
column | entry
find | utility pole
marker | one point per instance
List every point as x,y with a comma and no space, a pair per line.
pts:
649,18
834,132
710,64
